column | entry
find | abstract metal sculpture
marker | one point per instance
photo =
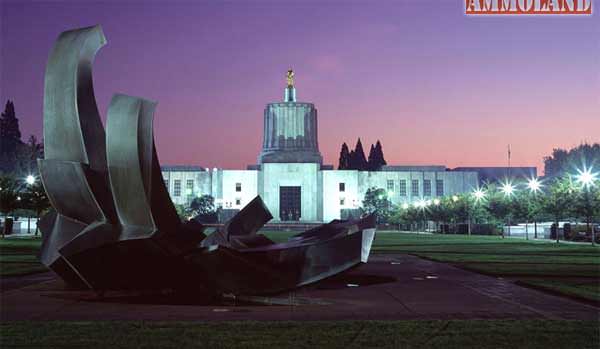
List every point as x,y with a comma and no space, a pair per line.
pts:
114,225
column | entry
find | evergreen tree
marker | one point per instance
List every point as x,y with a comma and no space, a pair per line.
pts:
371,162
10,136
360,162
344,162
352,160
379,155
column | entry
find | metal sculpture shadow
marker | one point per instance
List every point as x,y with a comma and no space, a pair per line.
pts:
114,226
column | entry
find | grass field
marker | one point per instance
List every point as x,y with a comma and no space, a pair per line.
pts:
342,334
18,256
569,269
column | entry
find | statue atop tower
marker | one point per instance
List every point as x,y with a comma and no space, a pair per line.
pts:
290,90
290,130
290,78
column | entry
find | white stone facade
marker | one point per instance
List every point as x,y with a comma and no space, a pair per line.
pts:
324,193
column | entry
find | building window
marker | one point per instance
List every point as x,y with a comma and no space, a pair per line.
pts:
189,187
439,187
238,202
177,187
402,187
238,187
342,201
414,187
427,187
390,185
342,187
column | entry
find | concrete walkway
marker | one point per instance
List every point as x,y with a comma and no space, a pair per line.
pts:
388,287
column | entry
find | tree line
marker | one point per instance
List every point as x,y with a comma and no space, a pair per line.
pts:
561,198
356,159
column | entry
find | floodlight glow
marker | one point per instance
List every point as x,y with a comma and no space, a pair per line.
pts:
479,194
390,193
508,188
421,204
586,177
405,206
30,179
436,202
534,185
454,198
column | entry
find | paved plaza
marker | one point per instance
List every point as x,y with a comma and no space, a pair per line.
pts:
390,286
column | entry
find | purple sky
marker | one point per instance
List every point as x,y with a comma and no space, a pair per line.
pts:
435,86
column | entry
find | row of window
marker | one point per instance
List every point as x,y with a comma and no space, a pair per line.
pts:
189,187
414,187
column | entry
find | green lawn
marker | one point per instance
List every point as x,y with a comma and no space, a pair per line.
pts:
18,256
339,334
570,269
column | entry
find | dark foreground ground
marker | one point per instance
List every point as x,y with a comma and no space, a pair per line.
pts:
389,287
344,334
396,300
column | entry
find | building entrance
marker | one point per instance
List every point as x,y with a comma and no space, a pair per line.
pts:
290,203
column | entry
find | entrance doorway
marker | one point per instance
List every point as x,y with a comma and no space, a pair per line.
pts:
290,203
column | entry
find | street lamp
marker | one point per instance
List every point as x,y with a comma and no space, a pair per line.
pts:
534,185
479,194
454,198
30,180
405,206
508,188
436,202
586,177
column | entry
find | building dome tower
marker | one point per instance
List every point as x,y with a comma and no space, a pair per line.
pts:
290,130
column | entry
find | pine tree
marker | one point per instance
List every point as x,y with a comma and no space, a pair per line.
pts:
344,162
10,136
352,160
379,156
372,161
359,157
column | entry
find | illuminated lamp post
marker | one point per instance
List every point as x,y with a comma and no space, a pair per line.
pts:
508,189
587,179
535,186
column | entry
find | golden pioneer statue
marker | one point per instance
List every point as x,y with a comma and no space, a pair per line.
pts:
290,78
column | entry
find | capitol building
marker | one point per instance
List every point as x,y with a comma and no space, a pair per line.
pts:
293,181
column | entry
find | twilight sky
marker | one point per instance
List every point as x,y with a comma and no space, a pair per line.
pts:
435,86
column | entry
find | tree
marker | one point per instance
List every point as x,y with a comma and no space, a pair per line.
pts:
563,161
371,165
558,199
344,162
10,138
34,198
499,207
376,201
9,197
531,206
203,205
28,155
9,130
351,161
359,161
587,206
379,159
